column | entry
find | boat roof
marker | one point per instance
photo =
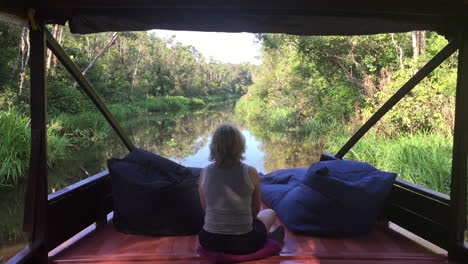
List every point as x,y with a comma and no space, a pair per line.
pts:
303,17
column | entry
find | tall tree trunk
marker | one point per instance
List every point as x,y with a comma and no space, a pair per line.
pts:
422,42
88,47
108,45
399,49
24,58
18,55
100,54
59,40
419,43
415,43
49,52
136,68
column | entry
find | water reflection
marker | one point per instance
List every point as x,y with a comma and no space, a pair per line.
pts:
183,138
174,136
253,153
290,154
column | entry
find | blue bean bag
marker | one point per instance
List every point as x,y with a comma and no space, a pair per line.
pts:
154,196
338,198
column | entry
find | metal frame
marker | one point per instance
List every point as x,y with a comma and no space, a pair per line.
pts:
419,215
38,205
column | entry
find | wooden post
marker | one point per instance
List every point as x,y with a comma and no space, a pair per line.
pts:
406,88
35,211
458,188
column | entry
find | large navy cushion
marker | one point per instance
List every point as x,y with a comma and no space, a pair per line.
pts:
154,196
339,198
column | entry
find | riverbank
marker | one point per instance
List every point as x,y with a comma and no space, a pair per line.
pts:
420,157
70,132
173,134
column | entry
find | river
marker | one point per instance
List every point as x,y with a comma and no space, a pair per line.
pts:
183,138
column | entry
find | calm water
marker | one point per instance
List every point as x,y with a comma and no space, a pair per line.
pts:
253,154
181,138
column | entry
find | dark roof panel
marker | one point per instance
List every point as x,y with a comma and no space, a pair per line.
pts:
237,20
308,17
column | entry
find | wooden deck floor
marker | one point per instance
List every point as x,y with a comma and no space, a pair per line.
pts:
383,246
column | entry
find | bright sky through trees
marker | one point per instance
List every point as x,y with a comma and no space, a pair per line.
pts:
223,47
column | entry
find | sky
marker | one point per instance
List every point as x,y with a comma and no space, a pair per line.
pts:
223,47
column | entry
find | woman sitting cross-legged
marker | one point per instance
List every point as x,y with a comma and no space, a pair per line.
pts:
230,195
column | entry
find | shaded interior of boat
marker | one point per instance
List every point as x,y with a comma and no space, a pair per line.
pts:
74,225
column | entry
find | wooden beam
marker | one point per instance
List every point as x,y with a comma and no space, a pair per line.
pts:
406,88
431,194
420,210
24,256
86,86
458,187
78,206
14,17
418,224
35,211
421,203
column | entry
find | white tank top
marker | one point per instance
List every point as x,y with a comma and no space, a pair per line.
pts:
228,200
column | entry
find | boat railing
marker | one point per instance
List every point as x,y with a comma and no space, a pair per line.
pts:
53,219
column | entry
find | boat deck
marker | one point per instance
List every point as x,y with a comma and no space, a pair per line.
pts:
385,245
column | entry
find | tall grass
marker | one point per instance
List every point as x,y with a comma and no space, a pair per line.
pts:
421,158
90,126
216,100
66,130
15,147
168,103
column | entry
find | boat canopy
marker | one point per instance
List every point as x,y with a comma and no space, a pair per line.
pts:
310,17
53,219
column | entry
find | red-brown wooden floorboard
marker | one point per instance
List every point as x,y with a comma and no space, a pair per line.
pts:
383,246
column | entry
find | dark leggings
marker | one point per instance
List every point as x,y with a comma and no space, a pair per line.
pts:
235,244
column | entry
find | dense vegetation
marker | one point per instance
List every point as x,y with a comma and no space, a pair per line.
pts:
134,72
312,90
320,89
307,97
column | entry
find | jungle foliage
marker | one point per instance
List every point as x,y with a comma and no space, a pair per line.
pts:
320,89
134,72
123,67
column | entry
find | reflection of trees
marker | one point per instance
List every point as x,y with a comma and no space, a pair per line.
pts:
168,135
289,154
174,135
178,137
284,150
11,215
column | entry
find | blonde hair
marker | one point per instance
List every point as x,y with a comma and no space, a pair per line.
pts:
227,146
